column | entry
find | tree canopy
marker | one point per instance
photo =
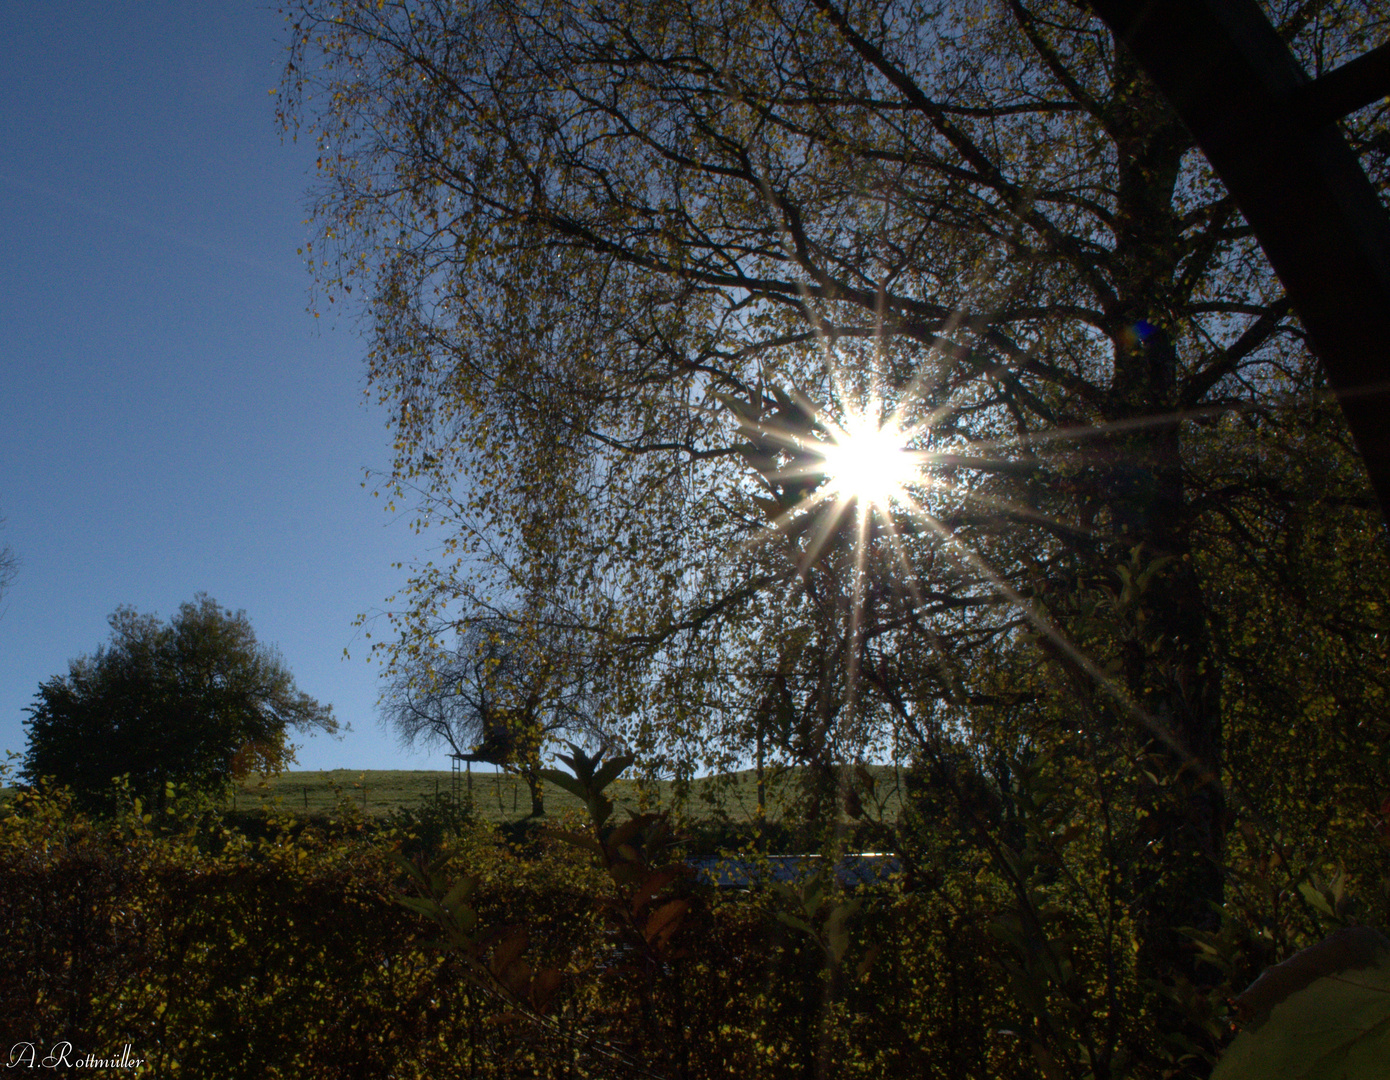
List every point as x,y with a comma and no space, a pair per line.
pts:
196,701
632,273
493,698
582,230
9,567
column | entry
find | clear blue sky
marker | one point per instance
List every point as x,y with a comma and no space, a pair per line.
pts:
172,420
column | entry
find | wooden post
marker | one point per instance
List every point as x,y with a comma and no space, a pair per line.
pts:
1270,135
762,787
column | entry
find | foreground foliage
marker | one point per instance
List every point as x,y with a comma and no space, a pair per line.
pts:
298,950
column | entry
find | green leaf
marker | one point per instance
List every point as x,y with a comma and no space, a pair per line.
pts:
611,770
579,840
1152,570
741,409
771,508
1337,1027
600,809
427,908
759,459
409,866
795,923
566,782
837,928
461,890
580,763
1316,900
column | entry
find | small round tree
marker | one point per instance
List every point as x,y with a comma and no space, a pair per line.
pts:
195,701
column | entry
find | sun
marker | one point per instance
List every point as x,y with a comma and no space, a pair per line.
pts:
869,461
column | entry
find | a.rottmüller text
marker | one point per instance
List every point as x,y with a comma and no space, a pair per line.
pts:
27,1055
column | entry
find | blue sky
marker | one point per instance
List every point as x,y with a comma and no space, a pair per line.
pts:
172,420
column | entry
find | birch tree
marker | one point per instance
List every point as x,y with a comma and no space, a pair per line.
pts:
637,276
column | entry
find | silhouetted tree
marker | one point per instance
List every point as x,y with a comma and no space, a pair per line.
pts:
495,697
195,701
9,567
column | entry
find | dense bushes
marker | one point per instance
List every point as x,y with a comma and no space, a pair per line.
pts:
215,955
212,954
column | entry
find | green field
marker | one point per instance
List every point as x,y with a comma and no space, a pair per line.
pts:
496,797
502,798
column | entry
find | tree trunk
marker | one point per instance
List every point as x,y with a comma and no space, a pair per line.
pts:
1169,663
534,783
1171,678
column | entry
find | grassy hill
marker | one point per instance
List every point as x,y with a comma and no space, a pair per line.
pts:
503,799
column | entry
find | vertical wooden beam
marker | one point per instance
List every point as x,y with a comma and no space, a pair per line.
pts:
1246,101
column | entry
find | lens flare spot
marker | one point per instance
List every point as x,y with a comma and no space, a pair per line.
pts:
869,461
